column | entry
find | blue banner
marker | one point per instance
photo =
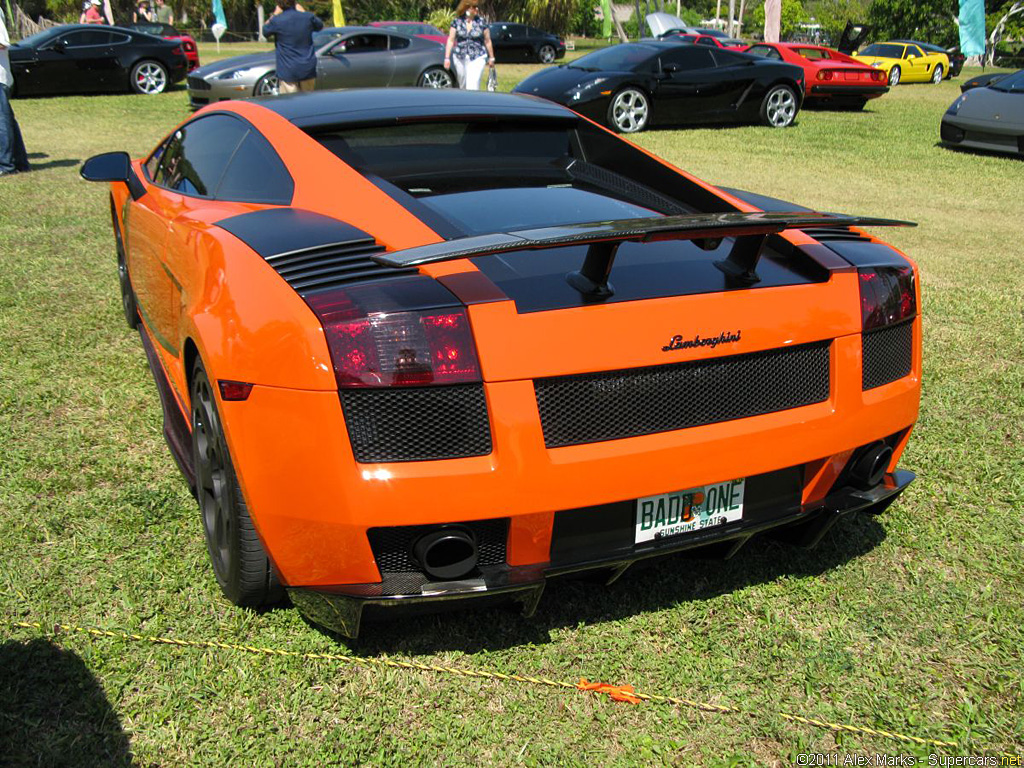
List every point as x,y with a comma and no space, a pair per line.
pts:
972,27
218,13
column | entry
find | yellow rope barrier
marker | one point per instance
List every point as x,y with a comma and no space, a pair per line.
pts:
487,675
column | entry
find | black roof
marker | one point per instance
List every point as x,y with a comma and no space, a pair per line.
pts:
382,105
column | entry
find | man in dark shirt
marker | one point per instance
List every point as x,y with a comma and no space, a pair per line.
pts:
296,59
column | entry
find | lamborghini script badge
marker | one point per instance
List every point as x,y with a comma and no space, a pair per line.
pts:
678,342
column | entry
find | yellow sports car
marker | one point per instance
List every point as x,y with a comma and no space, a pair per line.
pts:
905,63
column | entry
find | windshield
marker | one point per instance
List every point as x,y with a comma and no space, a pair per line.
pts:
1011,84
323,38
617,58
886,50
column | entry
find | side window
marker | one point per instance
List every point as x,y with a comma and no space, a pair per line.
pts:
687,57
725,58
398,43
366,43
84,38
197,154
117,38
256,174
153,162
516,30
913,50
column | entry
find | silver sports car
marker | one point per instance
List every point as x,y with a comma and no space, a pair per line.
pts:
346,57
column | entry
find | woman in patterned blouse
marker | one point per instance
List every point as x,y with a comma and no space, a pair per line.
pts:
469,40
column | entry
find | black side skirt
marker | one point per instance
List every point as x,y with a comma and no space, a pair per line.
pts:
176,430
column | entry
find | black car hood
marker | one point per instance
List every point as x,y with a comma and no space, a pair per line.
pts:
555,81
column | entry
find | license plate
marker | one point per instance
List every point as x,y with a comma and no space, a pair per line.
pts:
695,509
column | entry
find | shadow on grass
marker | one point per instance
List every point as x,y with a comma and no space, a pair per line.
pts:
649,585
35,157
53,711
978,151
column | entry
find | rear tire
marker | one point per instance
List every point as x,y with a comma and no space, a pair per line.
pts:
894,76
546,54
937,75
779,107
436,77
629,111
149,77
243,570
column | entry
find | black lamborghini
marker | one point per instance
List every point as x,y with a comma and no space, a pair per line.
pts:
632,86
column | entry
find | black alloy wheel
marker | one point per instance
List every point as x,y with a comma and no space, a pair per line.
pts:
243,570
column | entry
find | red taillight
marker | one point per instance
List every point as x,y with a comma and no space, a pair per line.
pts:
189,46
887,296
878,75
396,349
826,74
234,390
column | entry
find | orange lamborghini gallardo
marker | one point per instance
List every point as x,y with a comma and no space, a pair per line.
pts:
423,346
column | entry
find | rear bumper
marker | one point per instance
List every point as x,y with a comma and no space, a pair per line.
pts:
832,91
343,608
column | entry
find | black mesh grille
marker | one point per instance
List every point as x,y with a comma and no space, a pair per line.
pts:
392,547
417,423
198,84
887,354
617,404
329,266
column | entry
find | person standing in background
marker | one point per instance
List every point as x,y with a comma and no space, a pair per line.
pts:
293,45
91,14
164,14
469,40
142,12
13,158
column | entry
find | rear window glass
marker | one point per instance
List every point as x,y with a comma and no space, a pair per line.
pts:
813,53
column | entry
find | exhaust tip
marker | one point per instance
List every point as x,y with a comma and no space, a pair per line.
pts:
446,553
869,468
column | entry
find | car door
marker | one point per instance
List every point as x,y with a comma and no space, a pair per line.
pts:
730,79
356,61
50,69
92,61
683,85
915,66
187,173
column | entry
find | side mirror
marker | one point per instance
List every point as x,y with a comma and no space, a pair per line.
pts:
668,69
113,166
912,56
60,46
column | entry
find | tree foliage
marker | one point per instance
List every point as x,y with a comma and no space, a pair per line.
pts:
929,20
833,15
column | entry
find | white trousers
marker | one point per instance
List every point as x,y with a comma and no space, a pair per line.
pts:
469,70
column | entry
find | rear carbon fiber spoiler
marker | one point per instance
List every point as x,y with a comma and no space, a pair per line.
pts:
706,229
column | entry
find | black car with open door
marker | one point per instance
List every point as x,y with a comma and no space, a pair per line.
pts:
632,86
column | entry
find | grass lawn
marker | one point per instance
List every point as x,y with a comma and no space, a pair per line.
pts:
912,622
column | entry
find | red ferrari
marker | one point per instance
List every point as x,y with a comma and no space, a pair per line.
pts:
831,77
166,31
